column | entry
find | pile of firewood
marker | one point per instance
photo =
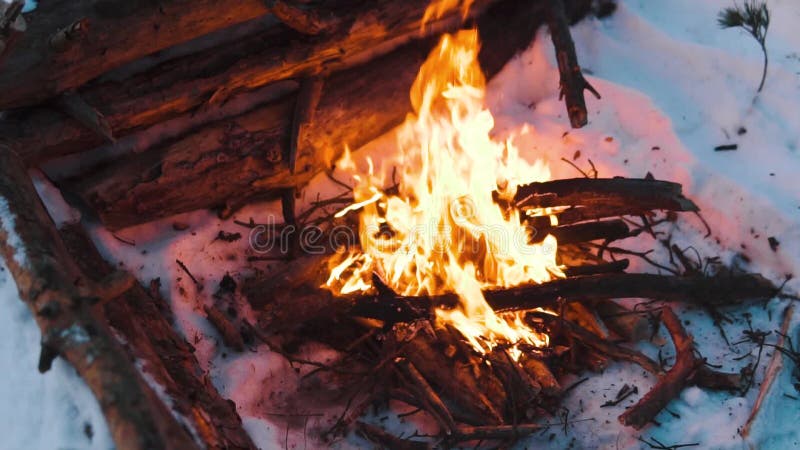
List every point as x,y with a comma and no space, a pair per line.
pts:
404,355
180,105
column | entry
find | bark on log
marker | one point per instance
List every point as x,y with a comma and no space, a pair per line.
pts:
181,86
142,319
53,56
46,279
245,157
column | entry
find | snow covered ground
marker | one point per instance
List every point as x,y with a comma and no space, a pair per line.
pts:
674,87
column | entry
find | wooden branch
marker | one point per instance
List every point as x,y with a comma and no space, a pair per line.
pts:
46,280
718,291
244,157
49,65
572,83
182,86
143,318
672,383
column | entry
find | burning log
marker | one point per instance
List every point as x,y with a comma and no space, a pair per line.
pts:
718,291
246,157
593,198
182,86
69,43
46,277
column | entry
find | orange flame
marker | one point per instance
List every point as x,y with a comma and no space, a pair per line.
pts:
441,231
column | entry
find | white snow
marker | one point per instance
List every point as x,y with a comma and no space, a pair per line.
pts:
674,86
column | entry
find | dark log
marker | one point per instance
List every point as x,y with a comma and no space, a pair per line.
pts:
672,383
717,291
572,83
143,319
50,58
46,277
245,157
182,86
610,230
590,198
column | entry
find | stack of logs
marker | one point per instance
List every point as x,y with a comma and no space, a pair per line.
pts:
407,356
141,110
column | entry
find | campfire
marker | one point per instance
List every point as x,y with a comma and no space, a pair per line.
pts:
462,280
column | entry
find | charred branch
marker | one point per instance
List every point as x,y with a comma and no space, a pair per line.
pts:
590,198
572,83
718,291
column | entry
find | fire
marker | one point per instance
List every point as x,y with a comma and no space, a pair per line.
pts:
440,230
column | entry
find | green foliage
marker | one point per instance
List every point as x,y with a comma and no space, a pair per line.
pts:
752,17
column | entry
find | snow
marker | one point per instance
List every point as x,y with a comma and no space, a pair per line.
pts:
674,87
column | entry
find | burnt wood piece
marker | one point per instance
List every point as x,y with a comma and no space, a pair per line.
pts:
572,83
609,230
143,318
62,299
591,198
182,86
244,157
716,291
69,42
672,383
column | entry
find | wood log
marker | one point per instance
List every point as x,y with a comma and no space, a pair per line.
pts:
142,318
61,299
717,291
591,198
71,42
245,157
179,87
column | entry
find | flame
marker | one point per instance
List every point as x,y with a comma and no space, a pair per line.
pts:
440,230
438,8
